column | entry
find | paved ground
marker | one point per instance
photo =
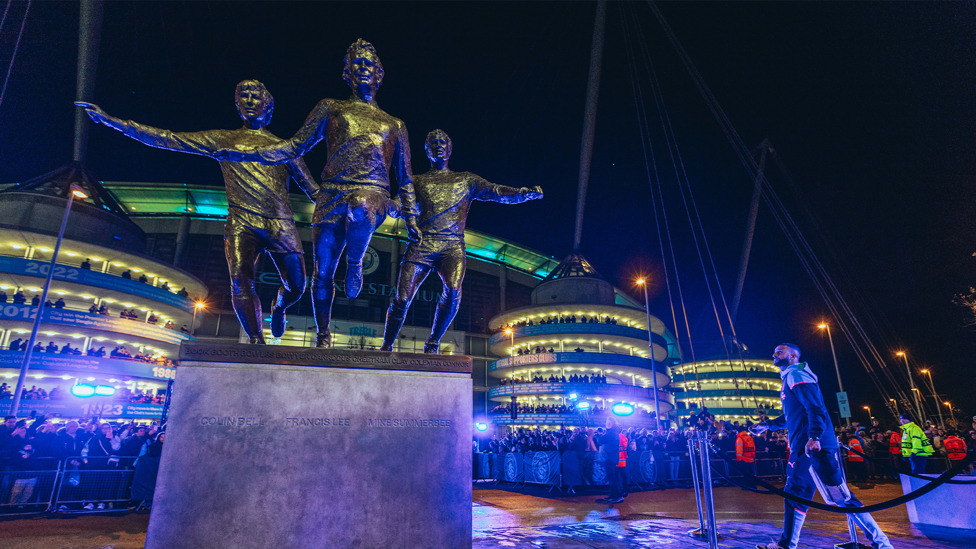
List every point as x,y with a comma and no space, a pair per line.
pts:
663,518
536,519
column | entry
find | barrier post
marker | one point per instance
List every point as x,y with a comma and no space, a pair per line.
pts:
706,481
699,532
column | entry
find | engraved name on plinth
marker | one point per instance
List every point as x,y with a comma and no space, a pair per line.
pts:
271,446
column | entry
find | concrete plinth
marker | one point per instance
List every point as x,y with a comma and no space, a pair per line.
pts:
948,506
270,446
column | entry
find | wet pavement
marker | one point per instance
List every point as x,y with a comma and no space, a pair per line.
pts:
663,519
534,518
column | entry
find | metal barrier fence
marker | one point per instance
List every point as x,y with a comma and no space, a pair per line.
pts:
571,468
73,486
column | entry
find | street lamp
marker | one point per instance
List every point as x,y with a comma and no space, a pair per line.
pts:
911,381
868,408
650,343
894,404
935,396
840,384
198,306
510,332
952,413
74,191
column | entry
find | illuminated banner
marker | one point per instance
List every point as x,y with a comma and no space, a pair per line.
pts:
28,267
81,319
84,407
79,366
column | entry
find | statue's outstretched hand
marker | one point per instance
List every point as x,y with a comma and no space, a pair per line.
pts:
95,113
534,193
413,230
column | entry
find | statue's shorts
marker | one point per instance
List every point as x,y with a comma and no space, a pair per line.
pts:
262,234
335,198
431,252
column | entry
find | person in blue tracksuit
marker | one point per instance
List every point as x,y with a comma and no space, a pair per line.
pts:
813,461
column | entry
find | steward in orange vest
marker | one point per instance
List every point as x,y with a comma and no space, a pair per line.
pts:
854,444
622,451
955,447
745,447
894,443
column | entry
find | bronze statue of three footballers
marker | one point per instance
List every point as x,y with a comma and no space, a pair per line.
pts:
368,150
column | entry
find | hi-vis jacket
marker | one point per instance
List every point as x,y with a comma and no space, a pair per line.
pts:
914,442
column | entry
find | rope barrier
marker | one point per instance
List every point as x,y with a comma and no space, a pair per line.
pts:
935,483
897,471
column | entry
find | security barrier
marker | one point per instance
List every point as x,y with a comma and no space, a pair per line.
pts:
53,485
573,469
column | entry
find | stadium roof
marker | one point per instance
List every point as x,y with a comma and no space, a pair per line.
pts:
142,199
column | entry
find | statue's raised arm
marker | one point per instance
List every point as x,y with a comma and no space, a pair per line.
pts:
259,214
444,198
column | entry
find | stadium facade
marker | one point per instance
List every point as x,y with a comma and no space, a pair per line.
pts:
171,236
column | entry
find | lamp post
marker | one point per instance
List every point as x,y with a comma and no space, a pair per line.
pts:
198,306
911,381
870,417
952,413
935,396
840,384
511,333
650,344
73,191
894,403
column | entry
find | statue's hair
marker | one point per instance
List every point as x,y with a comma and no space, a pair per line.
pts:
793,347
268,98
353,51
439,134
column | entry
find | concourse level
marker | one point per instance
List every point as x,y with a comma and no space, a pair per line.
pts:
625,369
17,321
603,392
75,254
593,337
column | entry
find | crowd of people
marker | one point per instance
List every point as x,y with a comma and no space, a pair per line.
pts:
553,378
563,319
120,351
19,298
37,444
123,394
882,446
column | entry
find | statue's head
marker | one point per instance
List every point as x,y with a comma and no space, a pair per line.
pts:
438,145
362,65
254,102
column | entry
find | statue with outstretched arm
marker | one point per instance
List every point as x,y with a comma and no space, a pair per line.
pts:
367,151
259,214
444,197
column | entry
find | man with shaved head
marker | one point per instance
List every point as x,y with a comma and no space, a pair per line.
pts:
814,461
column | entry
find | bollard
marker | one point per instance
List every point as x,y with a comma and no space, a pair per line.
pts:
706,481
701,531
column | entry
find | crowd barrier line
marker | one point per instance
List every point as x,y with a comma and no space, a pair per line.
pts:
52,489
935,483
906,473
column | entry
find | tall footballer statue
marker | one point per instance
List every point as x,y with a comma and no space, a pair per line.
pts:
444,198
259,214
367,151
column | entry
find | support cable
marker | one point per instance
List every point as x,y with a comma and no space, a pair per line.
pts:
706,258
13,56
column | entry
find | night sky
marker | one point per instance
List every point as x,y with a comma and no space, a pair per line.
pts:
870,106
